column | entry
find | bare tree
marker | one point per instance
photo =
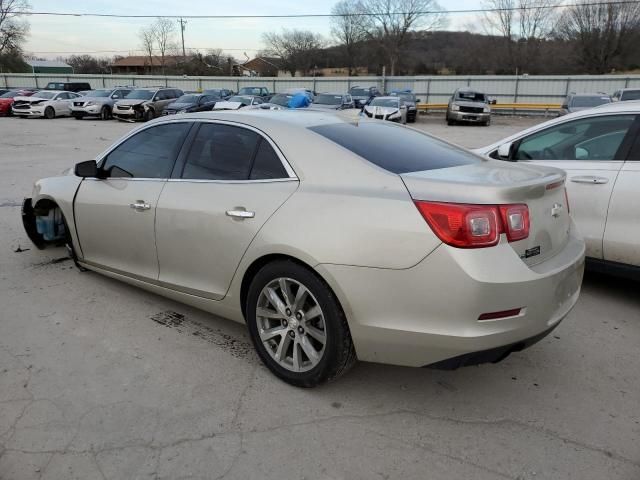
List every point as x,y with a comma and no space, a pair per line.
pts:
602,31
522,24
13,30
148,40
348,28
164,30
389,23
298,49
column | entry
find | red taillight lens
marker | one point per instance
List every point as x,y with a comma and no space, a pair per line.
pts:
515,219
464,225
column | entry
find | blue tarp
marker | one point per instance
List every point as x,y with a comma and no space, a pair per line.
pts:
299,100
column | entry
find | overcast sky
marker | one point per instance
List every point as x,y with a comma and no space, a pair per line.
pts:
61,36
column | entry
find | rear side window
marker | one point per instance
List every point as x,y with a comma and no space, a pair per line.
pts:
267,164
394,148
631,95
150,153
221,152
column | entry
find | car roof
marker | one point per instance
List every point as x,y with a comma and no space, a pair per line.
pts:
387,97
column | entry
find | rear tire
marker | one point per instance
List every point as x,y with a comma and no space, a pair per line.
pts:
302,335
105,113
49,113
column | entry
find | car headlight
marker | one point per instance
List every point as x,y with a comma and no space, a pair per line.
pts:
88,104
395,114
486,110
455,107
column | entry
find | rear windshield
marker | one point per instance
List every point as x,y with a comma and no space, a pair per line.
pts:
188,99
250,91
360,92
472,96
631,95
327,99
589,101
396,149
140,95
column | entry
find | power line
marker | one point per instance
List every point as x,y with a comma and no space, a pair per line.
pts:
329,15
138,50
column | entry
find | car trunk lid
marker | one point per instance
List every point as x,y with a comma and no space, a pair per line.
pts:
494,182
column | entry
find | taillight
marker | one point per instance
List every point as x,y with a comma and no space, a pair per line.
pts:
475,226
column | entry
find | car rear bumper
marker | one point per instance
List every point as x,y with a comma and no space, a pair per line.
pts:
429,313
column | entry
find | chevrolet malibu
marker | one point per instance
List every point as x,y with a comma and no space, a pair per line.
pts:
332,239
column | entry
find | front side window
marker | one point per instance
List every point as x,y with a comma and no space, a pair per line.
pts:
150,153
596,138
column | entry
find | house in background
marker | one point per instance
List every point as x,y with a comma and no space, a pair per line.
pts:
142,64
48,66
260,67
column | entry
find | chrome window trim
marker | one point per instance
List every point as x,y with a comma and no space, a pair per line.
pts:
262,180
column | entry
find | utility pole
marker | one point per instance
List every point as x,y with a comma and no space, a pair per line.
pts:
183,24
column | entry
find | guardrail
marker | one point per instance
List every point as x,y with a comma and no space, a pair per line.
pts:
514,107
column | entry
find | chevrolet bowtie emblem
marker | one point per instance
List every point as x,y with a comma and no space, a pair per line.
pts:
556,209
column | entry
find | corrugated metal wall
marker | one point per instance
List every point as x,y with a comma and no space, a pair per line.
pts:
430,89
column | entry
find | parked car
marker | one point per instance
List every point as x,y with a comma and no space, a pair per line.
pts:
599,149
239,101
304,249
333,101
294,91
387,108
195,102
279,101
363,95
6,100
467,105
98,103
221,93
145,103
262,92
581,101
4,90
410,101
68,86
625,94
45,103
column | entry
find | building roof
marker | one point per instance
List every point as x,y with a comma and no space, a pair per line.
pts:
272,61
47,63
143,61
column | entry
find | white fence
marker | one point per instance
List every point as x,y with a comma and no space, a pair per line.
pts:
429,89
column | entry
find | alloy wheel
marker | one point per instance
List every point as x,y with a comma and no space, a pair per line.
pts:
291,324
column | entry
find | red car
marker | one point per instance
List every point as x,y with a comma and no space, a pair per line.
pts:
6,100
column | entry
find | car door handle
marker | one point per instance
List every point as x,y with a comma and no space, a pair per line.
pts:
242,214
590,179
140,205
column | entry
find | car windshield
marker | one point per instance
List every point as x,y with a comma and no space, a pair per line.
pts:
188,99
55,86
384,102
360,92
238,98
44,94
281,99
396,149
407,97
140,95
328,99
593,101
10,94
249,91
631,95
98,93
471,96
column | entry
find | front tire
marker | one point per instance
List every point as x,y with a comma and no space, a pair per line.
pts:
148,115
105,113
297,325
49,113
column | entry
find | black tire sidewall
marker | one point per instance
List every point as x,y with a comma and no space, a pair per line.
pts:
46,113
105,113
335,324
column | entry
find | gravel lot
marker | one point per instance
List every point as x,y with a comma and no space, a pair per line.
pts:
99,380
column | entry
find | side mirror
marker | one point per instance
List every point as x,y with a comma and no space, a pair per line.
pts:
88,169
504,150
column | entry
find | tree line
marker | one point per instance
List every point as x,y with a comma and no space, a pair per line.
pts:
401,37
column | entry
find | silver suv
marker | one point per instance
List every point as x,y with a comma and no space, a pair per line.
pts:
145,103
467,105
98,103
